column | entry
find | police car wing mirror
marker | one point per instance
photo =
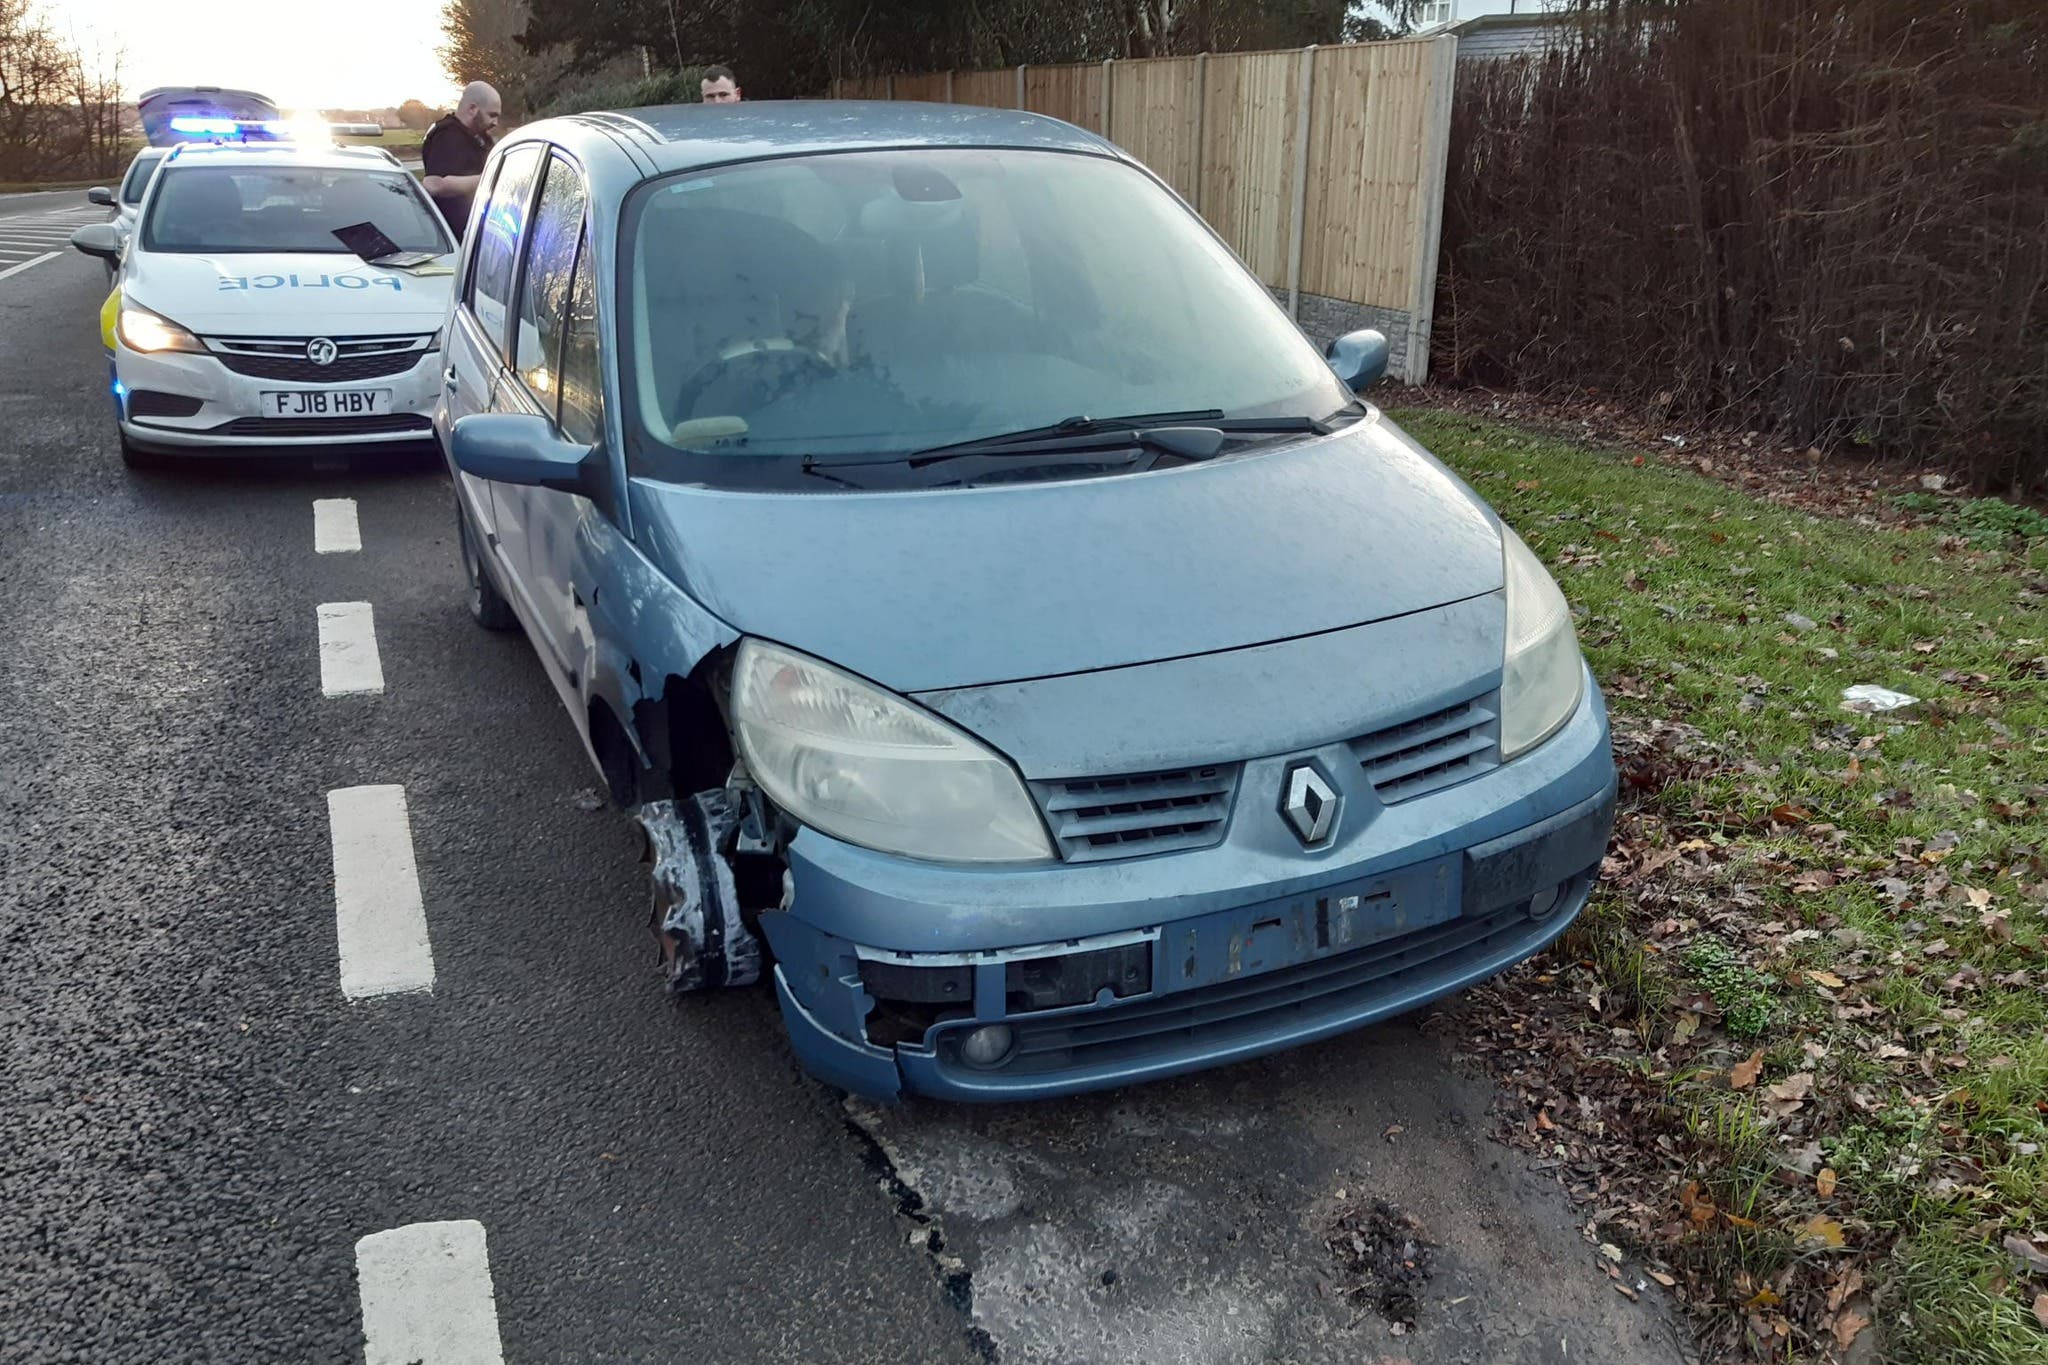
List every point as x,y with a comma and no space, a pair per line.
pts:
98,239
512,447
1359,358
100,194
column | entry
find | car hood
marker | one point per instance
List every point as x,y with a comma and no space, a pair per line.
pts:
284,294
936,589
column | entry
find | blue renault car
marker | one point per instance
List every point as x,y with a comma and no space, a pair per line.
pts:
1013,637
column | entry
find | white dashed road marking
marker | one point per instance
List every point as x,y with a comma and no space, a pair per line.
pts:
29,264
380,921
348,650
334,526
427,1300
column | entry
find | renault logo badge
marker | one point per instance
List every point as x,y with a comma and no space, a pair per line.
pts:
1309,803
321,351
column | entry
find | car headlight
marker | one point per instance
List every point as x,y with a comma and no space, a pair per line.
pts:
142,330
1542,677
859,764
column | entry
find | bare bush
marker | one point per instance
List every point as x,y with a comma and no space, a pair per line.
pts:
1824,218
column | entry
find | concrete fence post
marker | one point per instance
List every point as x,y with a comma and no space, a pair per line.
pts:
1301,131
1020,86
892,85
949,87
1201,130
1429,188
1108,95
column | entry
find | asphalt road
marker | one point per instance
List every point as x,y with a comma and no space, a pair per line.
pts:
197,1127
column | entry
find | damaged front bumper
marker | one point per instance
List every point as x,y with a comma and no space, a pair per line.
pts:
891,986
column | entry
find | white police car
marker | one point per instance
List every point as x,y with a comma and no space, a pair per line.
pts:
243,321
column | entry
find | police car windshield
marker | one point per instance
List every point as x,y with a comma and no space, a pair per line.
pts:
255,208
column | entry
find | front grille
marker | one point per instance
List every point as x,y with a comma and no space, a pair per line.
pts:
1431,752
284,358
1127,817
392,424
157,403
1196,1022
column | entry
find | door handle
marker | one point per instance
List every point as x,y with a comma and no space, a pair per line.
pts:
448,379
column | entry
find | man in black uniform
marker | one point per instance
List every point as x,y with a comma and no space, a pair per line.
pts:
453,151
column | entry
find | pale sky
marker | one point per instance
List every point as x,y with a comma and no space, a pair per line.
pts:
358,54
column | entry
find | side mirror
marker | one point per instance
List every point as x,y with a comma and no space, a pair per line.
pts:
98,239
1359,358
510,447
100,194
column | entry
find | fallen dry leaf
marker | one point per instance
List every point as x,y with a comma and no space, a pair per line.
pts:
1610,1251
2041,1309
1661,1278
2028,1253
1824,1183
1766,1297
1743,1074
1848,1325
1793,1088
1823,1229
1828,979
1806,883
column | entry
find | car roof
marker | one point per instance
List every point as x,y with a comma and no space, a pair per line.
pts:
291,153
684,136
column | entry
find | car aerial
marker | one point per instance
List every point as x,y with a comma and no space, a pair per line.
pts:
126,198
242,321
1011,634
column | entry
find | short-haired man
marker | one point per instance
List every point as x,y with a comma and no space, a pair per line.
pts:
453,152
718,86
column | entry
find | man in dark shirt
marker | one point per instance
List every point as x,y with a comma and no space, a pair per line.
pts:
453,151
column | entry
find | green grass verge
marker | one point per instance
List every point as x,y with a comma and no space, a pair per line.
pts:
37,186
399,140
1897,856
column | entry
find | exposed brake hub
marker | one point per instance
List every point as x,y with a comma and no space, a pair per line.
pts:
705,943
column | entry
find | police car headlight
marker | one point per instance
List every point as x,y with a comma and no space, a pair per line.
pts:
142,330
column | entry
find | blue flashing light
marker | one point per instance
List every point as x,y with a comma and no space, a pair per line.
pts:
120,389
195,123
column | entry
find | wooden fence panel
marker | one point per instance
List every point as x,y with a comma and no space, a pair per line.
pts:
931,86
1253,103
1339,201
1073,93
995,89
1153,116
1371,106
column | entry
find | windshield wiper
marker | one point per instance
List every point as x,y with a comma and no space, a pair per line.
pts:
1194,435
1081,426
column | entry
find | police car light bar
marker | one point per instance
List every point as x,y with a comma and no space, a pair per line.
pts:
202,125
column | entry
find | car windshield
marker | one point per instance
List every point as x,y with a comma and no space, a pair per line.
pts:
257,208
137,179
866,304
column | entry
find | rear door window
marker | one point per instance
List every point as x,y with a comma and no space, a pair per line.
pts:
501,229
